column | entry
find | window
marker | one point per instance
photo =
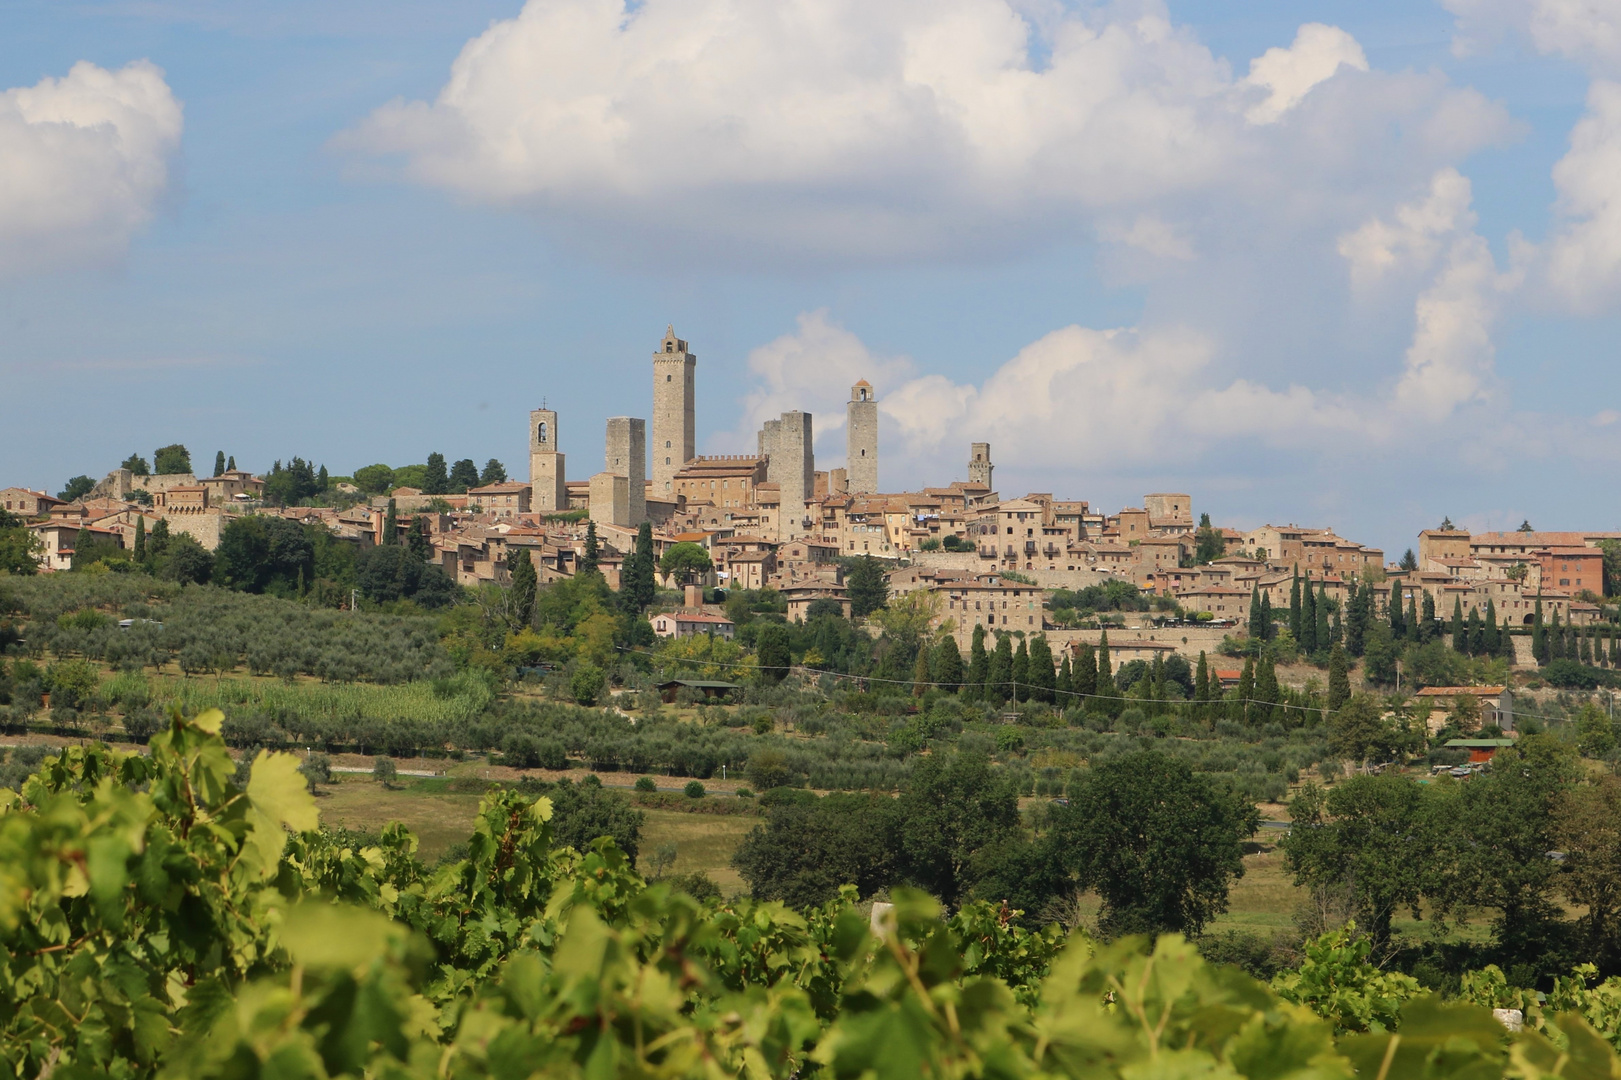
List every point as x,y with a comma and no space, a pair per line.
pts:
669,378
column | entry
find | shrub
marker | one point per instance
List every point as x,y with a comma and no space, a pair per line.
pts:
694,789
383,770
646,783
586,684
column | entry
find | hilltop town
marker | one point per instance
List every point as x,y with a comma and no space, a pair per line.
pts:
772,519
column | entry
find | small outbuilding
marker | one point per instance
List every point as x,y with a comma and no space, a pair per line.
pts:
711,690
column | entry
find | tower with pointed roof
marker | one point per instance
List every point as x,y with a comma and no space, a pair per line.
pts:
861,439
674,416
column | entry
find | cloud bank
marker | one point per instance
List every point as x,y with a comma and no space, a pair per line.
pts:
83,163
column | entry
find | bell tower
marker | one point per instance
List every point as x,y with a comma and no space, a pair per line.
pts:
547,493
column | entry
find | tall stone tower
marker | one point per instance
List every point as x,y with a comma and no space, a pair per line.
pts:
979,464
861,439
627,456
791,465
547,495
674,390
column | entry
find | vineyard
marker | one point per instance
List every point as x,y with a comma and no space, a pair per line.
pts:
159,919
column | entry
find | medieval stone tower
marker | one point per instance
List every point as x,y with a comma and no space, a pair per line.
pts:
549,496
674,389
790,464
627,456
979,464
861,439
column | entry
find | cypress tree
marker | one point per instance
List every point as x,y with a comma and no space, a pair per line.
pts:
920,673
1065,685
593,549
1336,631
1042,678
1556,639
230,463
1339,678
1267,692
1615,649
1084,677
1488,630
219,462
1474,634
391,524
1460,641
1307,635
1325,634
1257,627
1411,622
1505,643
416,538
1021,672
524,583
1294,606
979,666
948,664
1356,619
1426,621
998,684
1106,690
140,539
1586,646
1397,630
1245,698
1267,629
1201,688
1539,636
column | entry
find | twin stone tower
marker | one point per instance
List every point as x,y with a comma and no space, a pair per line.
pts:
619,493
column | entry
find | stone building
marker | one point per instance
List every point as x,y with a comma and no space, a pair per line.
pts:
727,481
979,464
548,491
626,455
674,415
791,465
861,440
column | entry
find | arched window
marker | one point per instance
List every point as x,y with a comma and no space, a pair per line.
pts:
541,432
666,444
669,378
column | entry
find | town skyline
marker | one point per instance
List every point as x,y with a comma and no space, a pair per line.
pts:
299,242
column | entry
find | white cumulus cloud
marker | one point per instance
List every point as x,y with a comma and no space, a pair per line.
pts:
83,162
1587,31
1584,257
847,130
1288,75
1415,237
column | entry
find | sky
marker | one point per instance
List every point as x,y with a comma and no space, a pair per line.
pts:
1335,264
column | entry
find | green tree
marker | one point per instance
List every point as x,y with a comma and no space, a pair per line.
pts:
948,663
1084,677
494,473
1357,730
585,812
1161,844
1064,684
171,460
524,584
417,540
374,479
1244,697
999,682
1294,606
952,809
219,462
1267,693
866,587
1326,636
383,770
1209,543
809,847
1108,694
1268,630
1458,630
1019,676
1042,680
638,586
979,666
1308,619
436,478
1426,621
1397,629
184,560
259,553
1202,692
230,463
463,475
391,524
772,651
1339,678
1409,561
1595,735
1357,605
593,549
1372,836
137,465
683,560
1539,636
586,684
140,539
1257,626
77,488
1415,629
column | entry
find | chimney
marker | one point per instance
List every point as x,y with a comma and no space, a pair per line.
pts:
695,597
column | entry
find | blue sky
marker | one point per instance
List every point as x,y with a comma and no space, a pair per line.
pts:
1345,264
